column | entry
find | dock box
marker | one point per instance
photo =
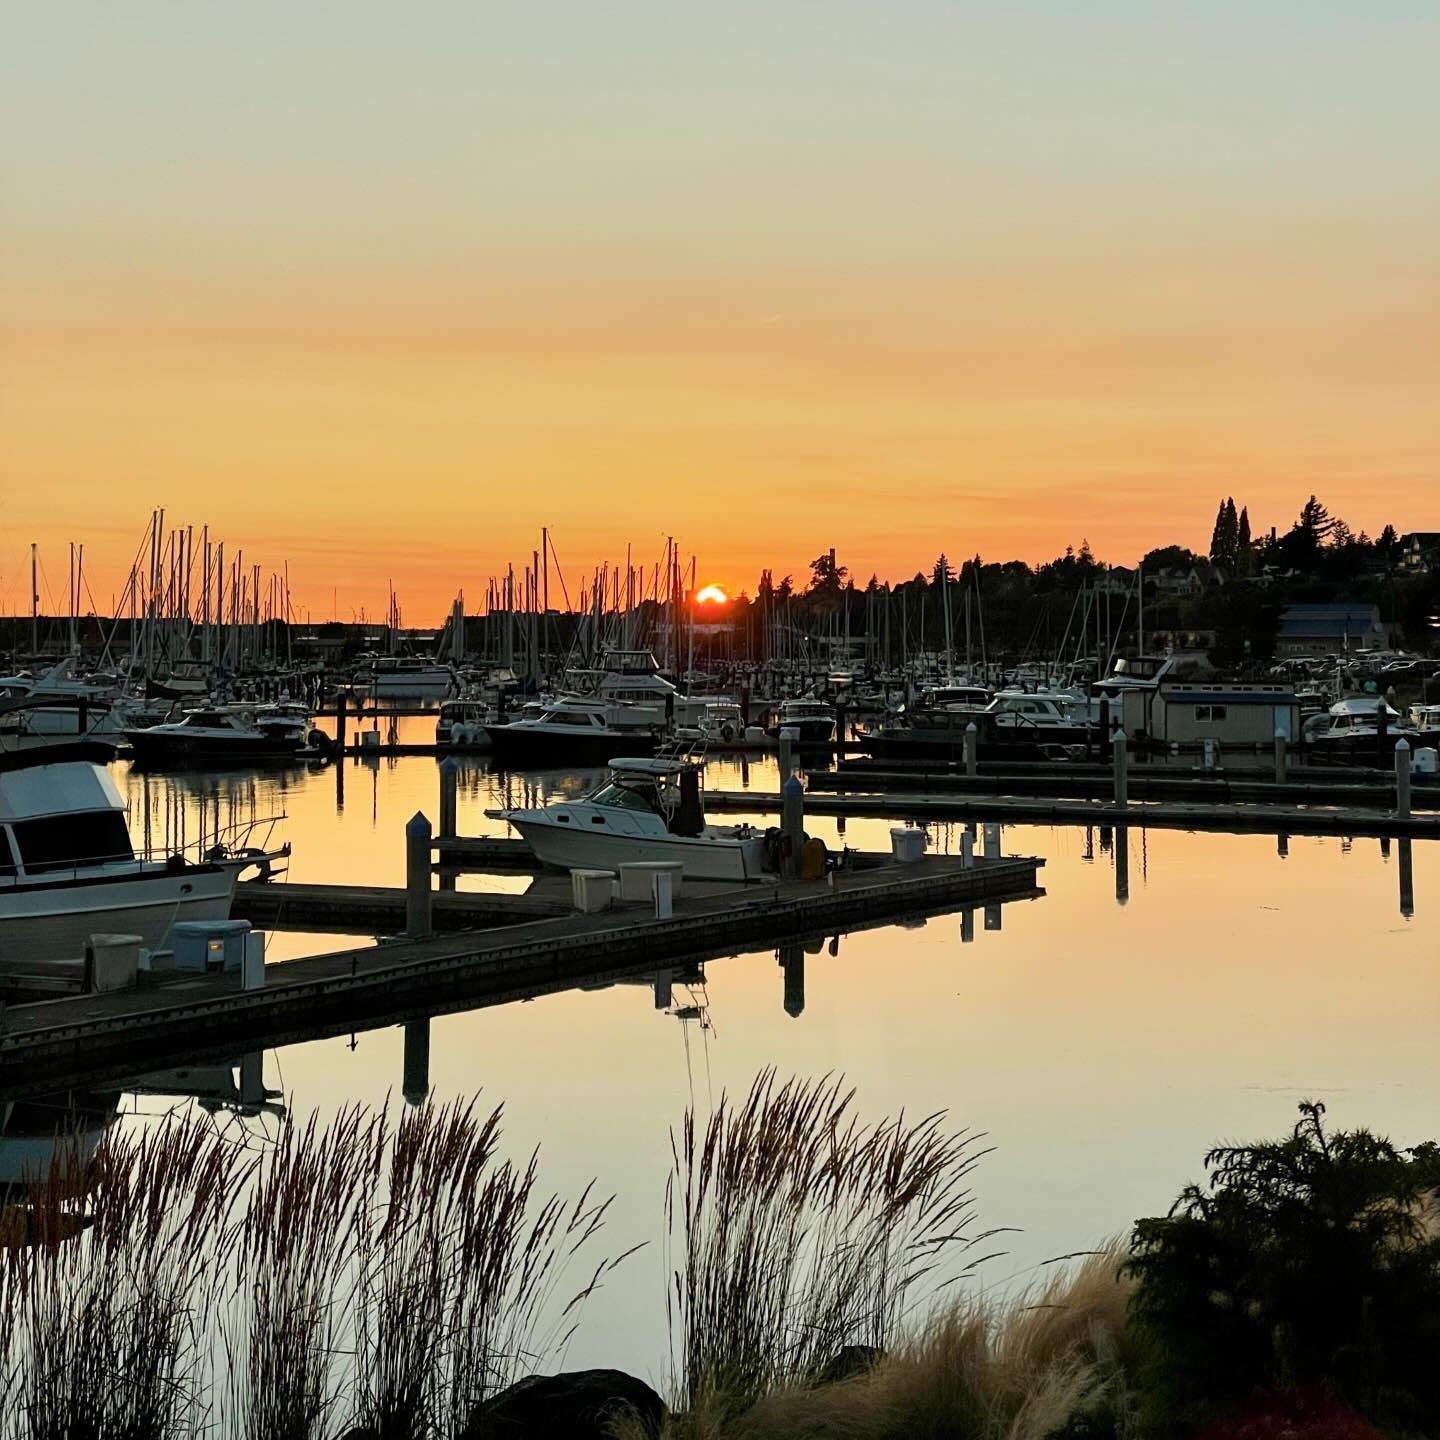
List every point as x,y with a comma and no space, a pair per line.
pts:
210,946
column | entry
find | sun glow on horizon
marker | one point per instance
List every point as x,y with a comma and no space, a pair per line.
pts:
711,595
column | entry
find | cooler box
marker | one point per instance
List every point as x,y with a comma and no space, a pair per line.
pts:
907,845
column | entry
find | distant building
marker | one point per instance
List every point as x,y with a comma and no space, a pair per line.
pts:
1420,552
1309,631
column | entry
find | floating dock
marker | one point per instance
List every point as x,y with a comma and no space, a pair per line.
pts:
380,910
81,1040
1019,810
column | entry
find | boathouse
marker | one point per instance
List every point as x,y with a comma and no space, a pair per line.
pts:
1187,713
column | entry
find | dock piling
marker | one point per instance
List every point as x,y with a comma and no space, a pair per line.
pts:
449,792
787,756
1120,760
793,824
1281,746
1406,865
1402,778
972,749
418,851
967,848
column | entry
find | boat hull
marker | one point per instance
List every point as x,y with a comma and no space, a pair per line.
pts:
811,732
562,847
48,923
176,749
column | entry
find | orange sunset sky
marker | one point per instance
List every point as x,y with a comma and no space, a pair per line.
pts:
379,289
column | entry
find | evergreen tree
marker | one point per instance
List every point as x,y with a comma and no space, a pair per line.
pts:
943,572
1230,552
1217,537
1244,554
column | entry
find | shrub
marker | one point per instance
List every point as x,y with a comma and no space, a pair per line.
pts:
1311,1261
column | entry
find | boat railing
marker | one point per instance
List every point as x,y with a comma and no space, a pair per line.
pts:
246,839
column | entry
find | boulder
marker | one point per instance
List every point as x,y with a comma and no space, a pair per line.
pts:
575,1405
848,1362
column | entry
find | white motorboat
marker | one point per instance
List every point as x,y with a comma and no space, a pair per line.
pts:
68,867
1353,725
413,675
461,724
719,723
813,719
644,810
574,732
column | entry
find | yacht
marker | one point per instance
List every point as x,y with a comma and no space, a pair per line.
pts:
574,732
814,719
644,810
412,675
68,868
237,733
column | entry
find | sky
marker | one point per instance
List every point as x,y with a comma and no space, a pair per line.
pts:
377,290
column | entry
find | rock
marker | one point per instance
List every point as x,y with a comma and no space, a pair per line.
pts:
575,1405
848,1362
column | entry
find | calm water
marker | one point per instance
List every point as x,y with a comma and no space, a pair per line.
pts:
1103,1045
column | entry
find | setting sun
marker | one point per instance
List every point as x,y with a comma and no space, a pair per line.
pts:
711,595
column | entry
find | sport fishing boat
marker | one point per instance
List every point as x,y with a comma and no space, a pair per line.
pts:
814,719
574,732
235,734
69,870
644,810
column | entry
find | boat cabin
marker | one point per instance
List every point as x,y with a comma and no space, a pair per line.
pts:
670,789
58,815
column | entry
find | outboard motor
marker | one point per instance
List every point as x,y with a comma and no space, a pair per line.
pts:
689,815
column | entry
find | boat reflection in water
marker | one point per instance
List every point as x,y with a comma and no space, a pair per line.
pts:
48,1143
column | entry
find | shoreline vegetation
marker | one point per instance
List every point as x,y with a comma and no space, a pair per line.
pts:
402,1280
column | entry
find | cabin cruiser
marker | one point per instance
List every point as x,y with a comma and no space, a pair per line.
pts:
68,868
414,675
720,723
574,732
1352,726
644,810
461,724
812,718
237,733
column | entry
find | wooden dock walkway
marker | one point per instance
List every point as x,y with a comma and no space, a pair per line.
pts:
81,1040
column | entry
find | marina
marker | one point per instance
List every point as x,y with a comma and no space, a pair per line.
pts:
719,722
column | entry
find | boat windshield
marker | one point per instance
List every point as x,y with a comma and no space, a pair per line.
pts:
616,796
